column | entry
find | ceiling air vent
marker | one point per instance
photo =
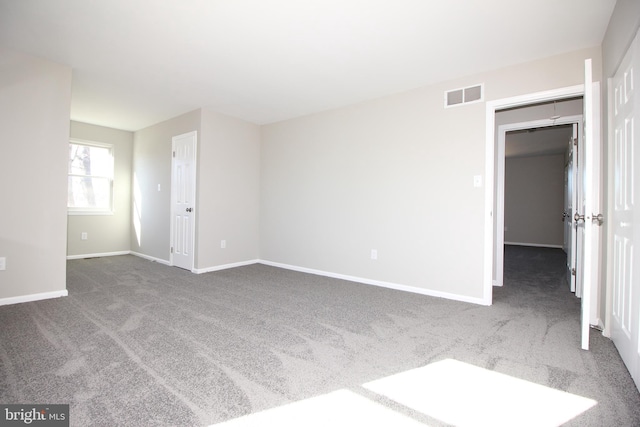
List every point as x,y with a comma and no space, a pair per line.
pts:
465,95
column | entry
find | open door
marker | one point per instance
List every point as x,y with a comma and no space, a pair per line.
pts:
586,221
571,196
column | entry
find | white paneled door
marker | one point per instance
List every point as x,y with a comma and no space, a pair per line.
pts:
583,217
625,312
183,203
570,203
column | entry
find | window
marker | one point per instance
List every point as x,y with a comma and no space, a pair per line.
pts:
90,178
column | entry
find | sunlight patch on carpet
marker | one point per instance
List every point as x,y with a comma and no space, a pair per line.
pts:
340,408
465,395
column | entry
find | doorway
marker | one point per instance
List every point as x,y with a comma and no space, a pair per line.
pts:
535,185
493,204
494,251
563,114
530,139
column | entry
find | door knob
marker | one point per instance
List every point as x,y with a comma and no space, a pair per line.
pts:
577,217
189,209
597,218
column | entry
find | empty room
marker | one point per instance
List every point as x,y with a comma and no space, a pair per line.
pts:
243,212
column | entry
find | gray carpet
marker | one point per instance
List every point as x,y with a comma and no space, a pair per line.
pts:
139,343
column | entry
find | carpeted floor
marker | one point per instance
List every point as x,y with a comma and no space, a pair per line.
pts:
139,343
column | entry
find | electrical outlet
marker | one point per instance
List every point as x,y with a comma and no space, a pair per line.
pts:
84,236
374,254
3,263
223,244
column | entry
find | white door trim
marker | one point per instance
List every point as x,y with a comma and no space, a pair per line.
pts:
500,166
587,192
609,206
490,171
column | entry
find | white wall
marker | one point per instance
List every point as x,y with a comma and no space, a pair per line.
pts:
396,175
227,199
35,99
150,230
623,26
534,200
106,233
228,191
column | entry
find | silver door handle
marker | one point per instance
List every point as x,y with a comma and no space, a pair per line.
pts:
597,218
577,217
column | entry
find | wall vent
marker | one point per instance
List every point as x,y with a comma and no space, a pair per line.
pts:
465,95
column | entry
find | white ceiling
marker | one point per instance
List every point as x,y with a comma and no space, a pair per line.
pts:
139,62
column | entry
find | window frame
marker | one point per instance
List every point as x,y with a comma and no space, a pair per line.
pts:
87,210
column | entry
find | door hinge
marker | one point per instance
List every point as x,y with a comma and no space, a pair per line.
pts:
171,249
174,154
573,271
575,142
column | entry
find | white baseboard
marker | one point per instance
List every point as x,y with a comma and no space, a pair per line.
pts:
535,245
33,297
382,284
151,258
85,256
224,266
362,280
